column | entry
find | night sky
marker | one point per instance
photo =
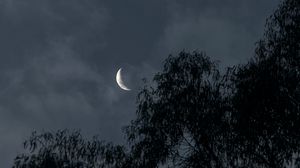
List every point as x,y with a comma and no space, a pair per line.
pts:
58,59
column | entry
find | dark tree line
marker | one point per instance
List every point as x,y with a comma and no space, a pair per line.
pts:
196,116
65,149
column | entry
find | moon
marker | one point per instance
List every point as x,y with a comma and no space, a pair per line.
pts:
120,81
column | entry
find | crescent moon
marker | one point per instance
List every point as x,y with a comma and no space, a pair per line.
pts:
120,81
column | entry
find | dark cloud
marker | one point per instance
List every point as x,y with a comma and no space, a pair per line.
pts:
58,59
226,31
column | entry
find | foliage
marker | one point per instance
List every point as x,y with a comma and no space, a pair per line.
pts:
267,93
65,149
248,117
182,119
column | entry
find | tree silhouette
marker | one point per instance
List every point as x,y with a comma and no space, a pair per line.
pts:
182,119
247,117
65,149
267,93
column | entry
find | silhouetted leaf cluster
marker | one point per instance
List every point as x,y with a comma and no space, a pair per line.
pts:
65,149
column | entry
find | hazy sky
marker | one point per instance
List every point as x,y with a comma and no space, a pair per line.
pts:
58,59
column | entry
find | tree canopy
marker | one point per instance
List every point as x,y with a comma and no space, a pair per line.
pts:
247,117
65,149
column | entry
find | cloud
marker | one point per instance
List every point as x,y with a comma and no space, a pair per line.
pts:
55,89
225,31
58,59
46,83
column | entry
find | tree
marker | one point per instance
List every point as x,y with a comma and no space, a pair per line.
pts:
182,120
65,149
193,116
266,95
